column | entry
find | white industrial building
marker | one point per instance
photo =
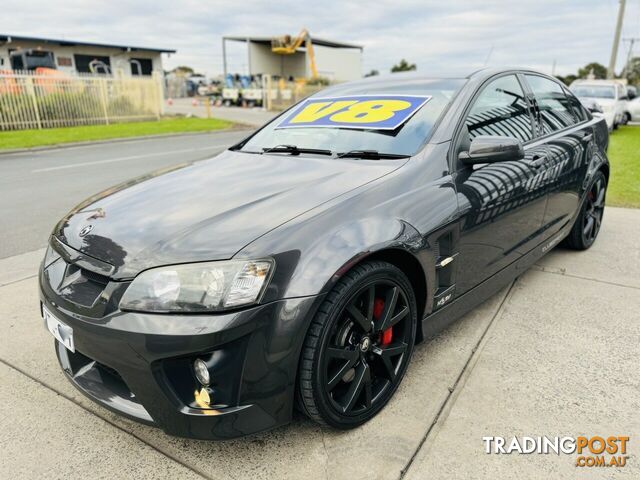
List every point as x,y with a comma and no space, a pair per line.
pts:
78,56
337,61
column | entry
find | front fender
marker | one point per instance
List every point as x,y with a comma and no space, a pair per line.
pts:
334,255
326,256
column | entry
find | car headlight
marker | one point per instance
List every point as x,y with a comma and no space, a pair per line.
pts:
198,287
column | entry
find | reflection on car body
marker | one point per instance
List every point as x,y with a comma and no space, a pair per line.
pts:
300,267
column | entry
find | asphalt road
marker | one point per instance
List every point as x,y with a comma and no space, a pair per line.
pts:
38,187
554,354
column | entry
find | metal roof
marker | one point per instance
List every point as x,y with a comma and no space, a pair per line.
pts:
316,41
7,38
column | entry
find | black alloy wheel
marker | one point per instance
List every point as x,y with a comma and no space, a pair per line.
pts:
587,226
358,346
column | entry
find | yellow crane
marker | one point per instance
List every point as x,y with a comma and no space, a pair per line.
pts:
286,45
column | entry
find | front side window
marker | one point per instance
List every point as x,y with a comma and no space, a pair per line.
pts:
554,109
576,107
501,110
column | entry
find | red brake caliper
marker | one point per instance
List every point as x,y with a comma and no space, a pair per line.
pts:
378,308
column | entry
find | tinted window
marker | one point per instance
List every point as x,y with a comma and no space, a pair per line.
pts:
576,107
501,110
555,112
405,140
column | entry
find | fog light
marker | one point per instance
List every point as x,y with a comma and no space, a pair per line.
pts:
202,372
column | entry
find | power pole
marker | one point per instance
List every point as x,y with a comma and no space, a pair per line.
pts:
629,54
486,60
616,40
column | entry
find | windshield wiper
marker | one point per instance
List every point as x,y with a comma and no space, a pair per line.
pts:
294,150
370,154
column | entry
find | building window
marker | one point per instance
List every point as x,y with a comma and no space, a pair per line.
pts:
65,62
141,66
92,64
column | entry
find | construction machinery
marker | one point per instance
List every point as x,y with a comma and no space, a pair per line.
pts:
32,59
287,45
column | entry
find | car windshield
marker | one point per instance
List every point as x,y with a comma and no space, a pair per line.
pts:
405,139
594,91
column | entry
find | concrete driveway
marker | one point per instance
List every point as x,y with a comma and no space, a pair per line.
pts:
255,117
556,353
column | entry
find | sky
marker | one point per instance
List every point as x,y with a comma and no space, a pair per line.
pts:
432,34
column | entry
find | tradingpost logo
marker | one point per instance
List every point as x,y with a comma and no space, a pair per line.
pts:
594,451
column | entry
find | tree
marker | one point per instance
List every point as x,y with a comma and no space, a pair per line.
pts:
599,70
183,70
372,73
568,79
632,72
403,66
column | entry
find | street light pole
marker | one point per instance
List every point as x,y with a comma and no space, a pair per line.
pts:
616,40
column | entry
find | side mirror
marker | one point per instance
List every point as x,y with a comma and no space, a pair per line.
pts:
486,149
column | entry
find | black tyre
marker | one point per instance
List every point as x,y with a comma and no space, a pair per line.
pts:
585,229
358,346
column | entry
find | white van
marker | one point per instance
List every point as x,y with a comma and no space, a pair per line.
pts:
611,95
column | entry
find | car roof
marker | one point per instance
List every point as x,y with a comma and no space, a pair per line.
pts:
451,73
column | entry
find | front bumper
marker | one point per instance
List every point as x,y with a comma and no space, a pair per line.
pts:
139,365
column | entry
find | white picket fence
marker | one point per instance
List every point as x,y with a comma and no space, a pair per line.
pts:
30,100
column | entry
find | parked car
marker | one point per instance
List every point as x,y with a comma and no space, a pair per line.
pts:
301,266
634,109
611,95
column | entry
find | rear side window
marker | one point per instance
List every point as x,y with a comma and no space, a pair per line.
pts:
555,111
501,110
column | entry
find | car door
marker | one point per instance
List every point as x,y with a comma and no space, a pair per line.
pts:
502,204
562,128
622,103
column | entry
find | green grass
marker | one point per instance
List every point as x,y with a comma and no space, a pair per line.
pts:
624,155
55,136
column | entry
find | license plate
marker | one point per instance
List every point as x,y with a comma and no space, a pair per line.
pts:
62,332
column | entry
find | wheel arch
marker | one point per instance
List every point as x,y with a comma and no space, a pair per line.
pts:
604,168
413,269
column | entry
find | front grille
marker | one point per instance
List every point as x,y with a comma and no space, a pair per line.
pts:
95,277
75,284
